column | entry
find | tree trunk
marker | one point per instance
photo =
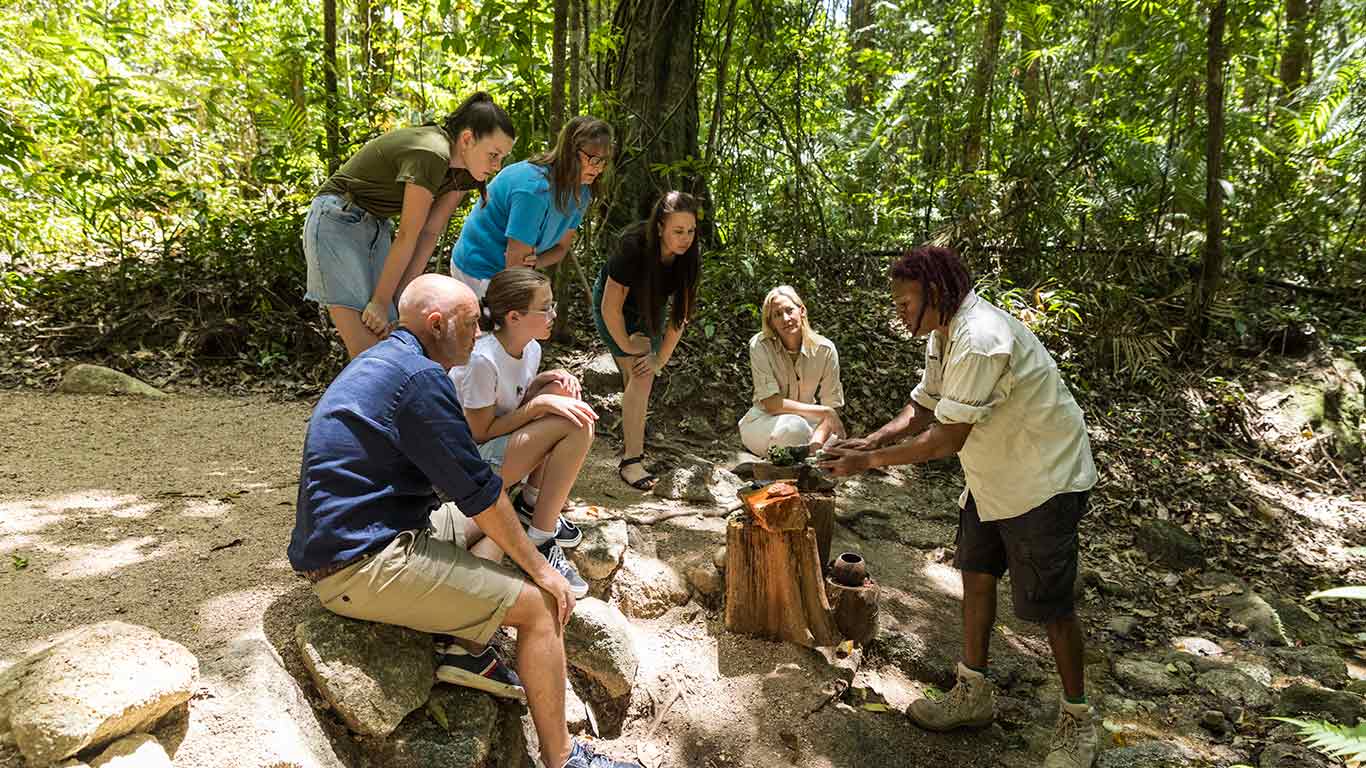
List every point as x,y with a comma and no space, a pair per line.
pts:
330,121
983,74
557,66
655,77
861,81
1296,47
575,54
1212,268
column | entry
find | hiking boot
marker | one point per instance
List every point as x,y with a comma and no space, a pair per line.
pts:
485,672
555,556
567,535
1074,738
969,703
581,755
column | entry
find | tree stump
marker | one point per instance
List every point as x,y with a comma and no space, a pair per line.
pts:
821,505
854,609
774,587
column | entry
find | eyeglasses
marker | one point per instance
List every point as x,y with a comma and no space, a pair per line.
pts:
595,161
548,311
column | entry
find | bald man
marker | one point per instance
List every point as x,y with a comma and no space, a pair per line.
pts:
371,536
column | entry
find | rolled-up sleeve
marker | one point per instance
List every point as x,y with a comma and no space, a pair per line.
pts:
433,434
972,387
761,369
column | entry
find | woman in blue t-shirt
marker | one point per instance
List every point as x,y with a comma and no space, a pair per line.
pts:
534,207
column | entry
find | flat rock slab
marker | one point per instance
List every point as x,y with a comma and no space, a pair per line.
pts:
136,751
599,554
258,714
458,728
597,642
372,674
1148,677
646,587
1339,706
101,682
97,380
1236,687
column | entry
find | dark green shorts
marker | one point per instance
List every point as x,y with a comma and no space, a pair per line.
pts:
628,313
1039,548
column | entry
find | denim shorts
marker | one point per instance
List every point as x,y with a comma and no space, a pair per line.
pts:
494,450
629,316
344,247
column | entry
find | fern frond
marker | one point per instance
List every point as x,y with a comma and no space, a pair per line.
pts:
1330,738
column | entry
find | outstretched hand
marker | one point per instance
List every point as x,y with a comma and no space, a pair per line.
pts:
853,444
842,460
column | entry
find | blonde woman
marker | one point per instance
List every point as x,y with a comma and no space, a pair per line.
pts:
796,379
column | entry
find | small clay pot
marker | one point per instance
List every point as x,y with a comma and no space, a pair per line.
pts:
849,570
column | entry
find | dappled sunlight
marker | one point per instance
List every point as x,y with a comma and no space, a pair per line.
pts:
82,561
206,508
235,615
33,515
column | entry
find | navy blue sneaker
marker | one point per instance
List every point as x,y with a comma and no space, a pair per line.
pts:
583,756
485,672
567,535
555,556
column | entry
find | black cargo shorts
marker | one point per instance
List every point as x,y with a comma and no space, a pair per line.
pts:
1039,548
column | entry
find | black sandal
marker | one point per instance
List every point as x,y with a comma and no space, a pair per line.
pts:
643,484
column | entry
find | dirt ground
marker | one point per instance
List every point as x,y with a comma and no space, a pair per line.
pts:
175,514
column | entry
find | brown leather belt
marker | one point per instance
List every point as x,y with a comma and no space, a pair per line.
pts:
318,575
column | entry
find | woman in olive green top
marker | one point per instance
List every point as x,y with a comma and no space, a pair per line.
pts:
357,267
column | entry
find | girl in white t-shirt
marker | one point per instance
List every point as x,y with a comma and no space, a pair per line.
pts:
527,424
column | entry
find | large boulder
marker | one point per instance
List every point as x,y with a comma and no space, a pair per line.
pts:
691,483
599,554
372,674
646,587
101,682
1235,687
1170,545
1262,622
1339,706
600,376
257,715
98,380
598,643
458,728
136,751
1148,677
1291,756
1319,662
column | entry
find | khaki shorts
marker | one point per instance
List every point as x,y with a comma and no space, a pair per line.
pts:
428,581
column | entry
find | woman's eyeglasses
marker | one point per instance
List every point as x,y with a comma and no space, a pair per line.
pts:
595,161
549,310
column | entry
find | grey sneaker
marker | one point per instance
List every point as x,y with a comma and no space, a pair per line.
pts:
581,755
969,703
1074,738
555,556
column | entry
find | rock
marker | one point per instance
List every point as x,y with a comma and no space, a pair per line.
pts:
97,380
691,483
575,711
601,375
917,656
1301,625
1357,686
1197,646
257,716
646,587
597,641
1149,754
1235,687
136,751
458,728
1340,706
99,683
372,674
599,554
1316,661
1262,621
707,581
1170,545
718,558
1148,677
1122,626
1214,721
1291,756
726,484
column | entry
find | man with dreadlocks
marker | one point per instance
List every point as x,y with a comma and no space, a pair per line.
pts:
991,393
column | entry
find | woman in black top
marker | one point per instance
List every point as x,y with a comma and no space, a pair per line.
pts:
658,259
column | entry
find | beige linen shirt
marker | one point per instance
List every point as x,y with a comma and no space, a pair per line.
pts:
814,374
1028,441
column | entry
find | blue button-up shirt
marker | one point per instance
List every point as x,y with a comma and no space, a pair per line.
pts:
387,430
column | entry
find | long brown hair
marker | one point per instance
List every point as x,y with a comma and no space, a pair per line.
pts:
481,116
687,266
562,163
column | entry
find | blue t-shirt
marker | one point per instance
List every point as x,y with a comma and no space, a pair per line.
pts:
387,429
521,206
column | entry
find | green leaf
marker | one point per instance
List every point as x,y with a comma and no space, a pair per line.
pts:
1331,739
19,562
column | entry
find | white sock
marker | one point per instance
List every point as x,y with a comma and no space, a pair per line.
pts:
530,494
538,536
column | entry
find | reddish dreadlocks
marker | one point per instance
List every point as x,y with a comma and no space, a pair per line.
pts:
944,281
